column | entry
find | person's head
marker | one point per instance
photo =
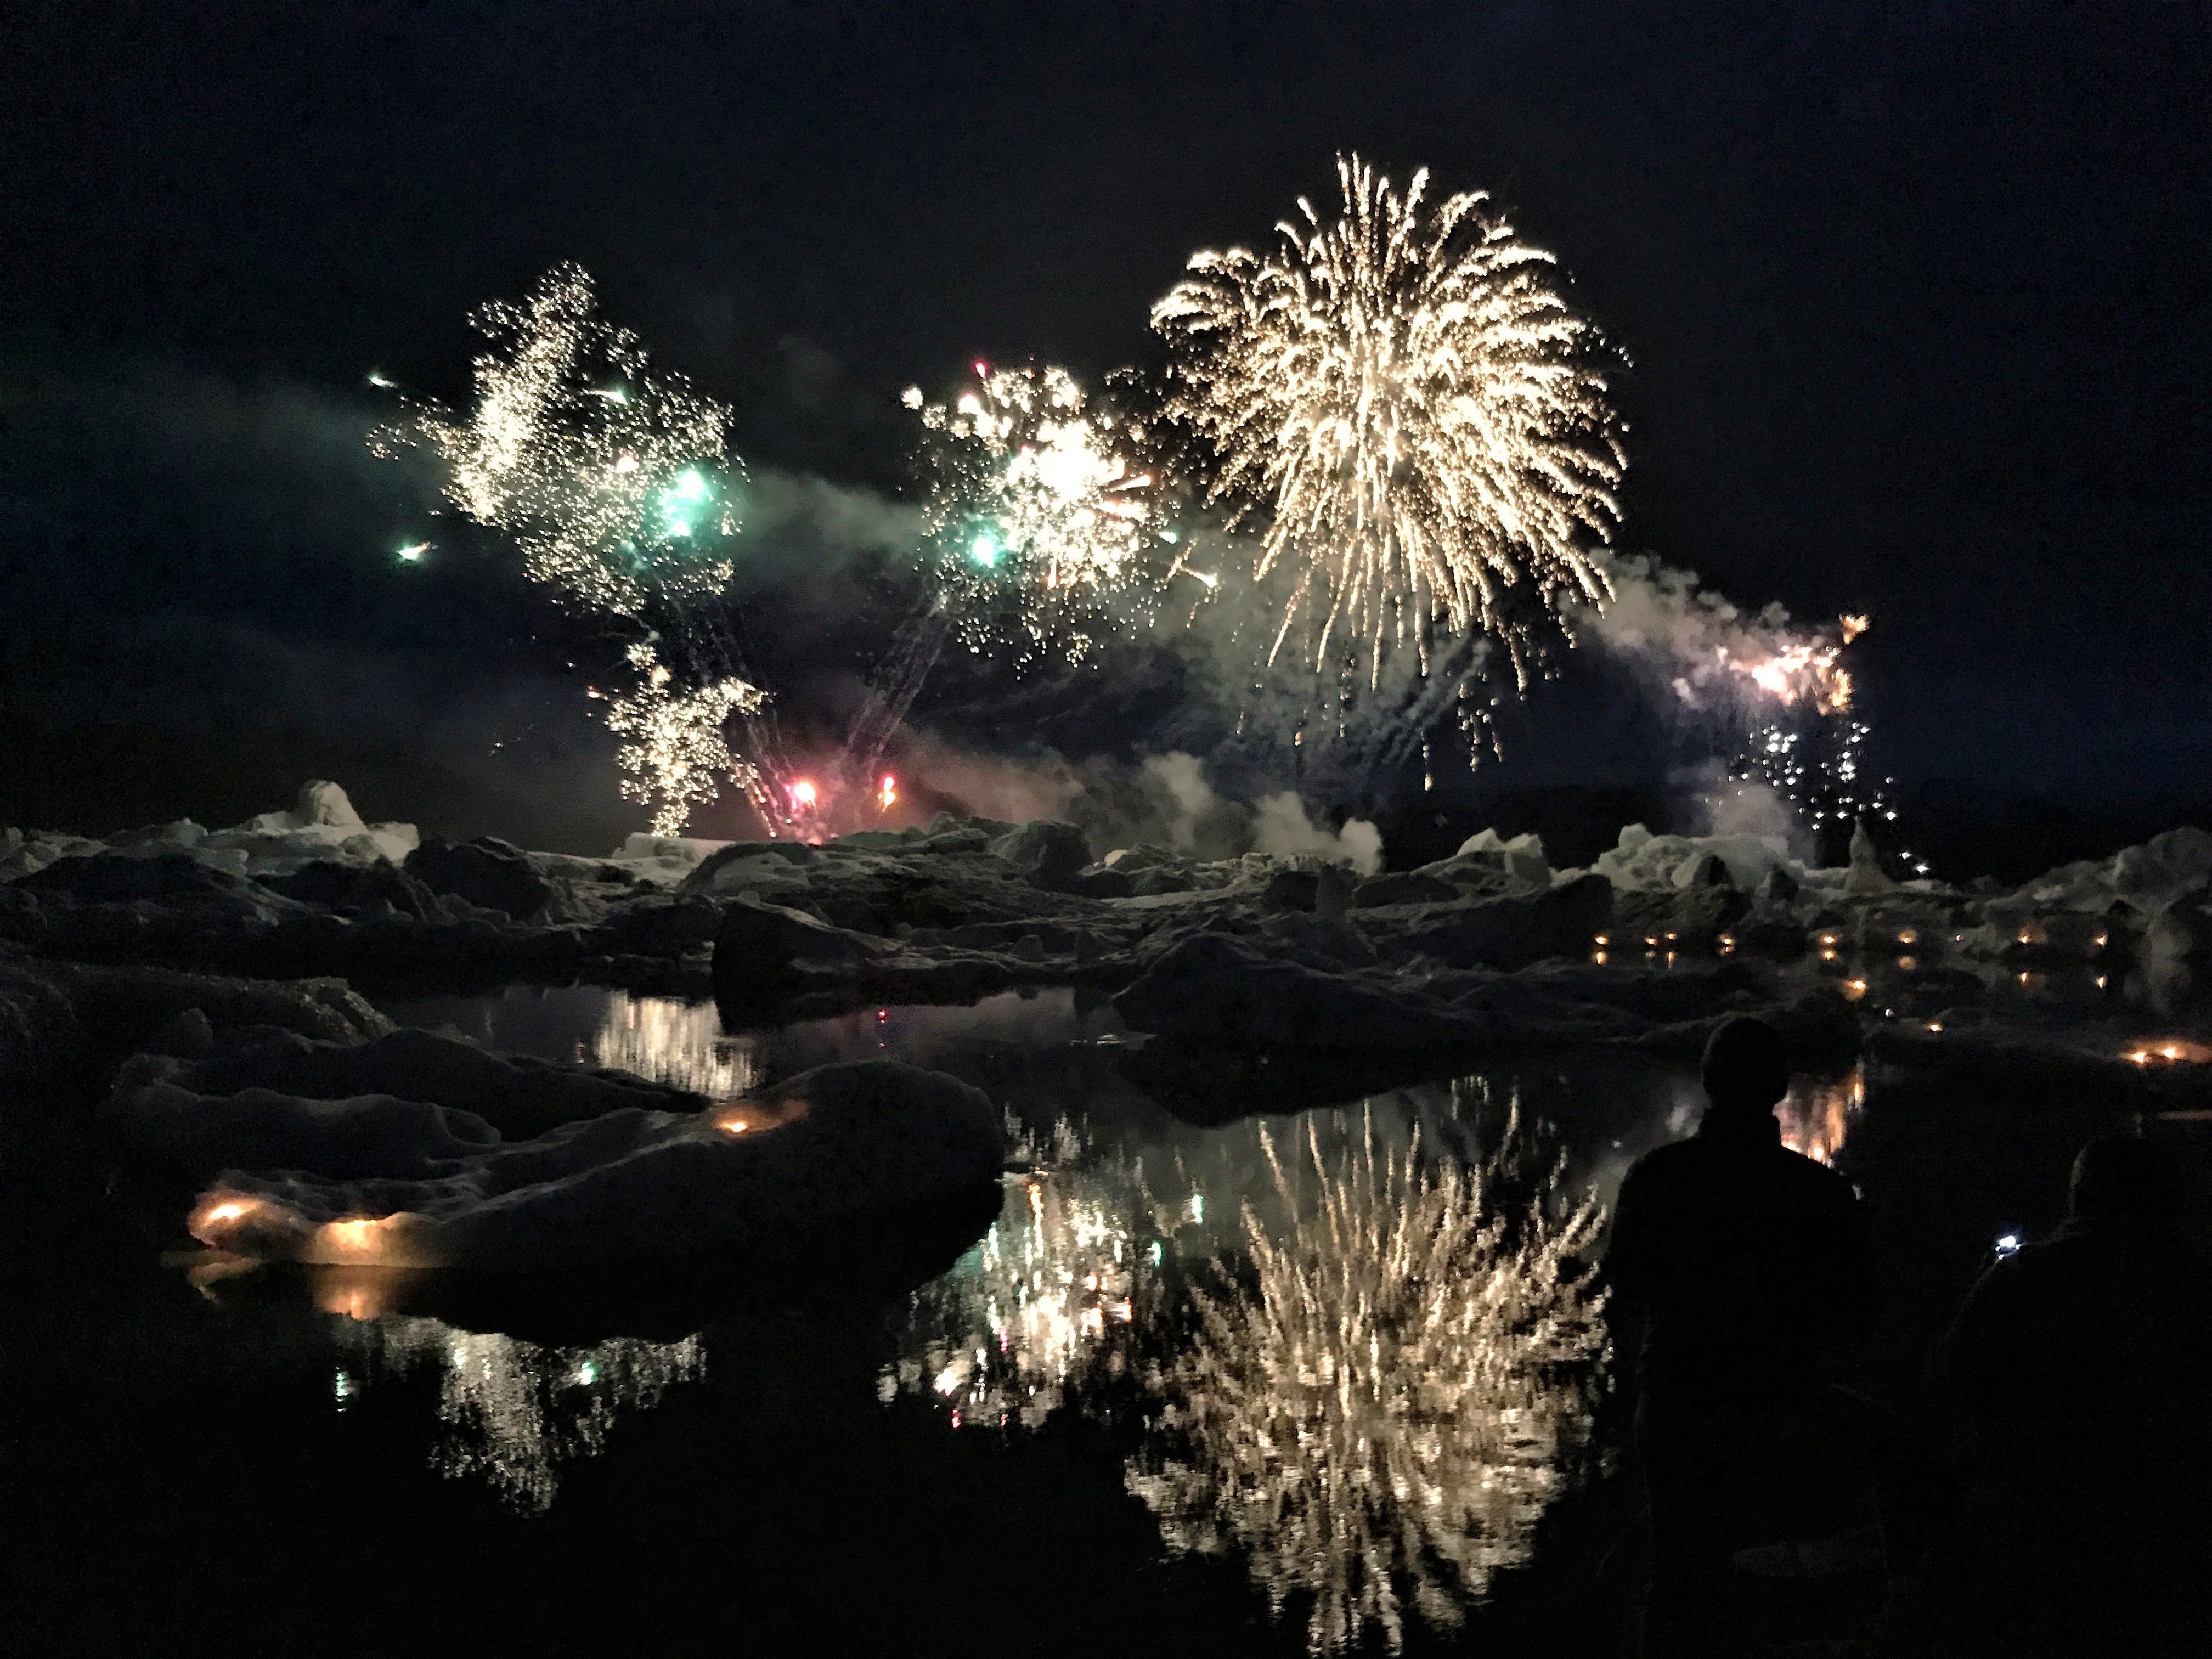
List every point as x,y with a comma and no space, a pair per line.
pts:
1747,1069
2120,1178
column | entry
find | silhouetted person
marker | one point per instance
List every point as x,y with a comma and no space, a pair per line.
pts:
1735,1263
2083,1367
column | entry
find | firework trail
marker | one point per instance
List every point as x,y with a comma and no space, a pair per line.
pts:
1411,401
616,484
899,681
1382,1407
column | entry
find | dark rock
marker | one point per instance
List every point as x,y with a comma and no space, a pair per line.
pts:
190,1036
520,1097
755,937
120,878
378,889
1406,887
1333,895
1686,917
1709,870
40,1036
1291,890
1047,851
1508,931
709,876
1101,881
487,873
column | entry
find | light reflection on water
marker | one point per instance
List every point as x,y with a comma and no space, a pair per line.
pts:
1357,1358
511,1413
673,1042
1395,1349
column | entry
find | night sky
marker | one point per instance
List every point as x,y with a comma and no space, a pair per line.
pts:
1916,296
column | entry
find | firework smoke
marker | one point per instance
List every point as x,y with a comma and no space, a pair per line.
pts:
1413,402
1382,1409
1782,693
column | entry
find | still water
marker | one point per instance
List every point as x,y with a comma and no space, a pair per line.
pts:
1200,1383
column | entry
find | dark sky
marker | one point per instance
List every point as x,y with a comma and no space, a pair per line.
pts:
1918,298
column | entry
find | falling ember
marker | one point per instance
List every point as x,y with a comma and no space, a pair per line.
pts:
803,795
413,552
887,794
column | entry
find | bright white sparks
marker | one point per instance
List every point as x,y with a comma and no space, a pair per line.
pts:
1411,397
678,757
614,482
1031,497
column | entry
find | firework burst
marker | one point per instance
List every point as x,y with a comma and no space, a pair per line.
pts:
615,482
678,756
1038,514
1382,1407
1415,400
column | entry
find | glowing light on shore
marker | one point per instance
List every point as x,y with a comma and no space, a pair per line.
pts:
1410,401
2171,1051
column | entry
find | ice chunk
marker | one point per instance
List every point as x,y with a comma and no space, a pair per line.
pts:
370,1136
834,1145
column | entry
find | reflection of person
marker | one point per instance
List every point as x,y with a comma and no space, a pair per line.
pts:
1735,1264
2083,1369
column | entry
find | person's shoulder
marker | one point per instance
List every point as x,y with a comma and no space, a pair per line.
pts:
1661,1162
1815,1181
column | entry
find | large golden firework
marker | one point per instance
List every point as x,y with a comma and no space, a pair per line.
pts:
1411,396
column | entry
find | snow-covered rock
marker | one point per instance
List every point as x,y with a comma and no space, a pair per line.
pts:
322,824
1644,862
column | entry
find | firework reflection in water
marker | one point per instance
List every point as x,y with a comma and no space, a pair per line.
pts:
1383,1404
1817,1115
1058,1296
514,1412
676,1042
